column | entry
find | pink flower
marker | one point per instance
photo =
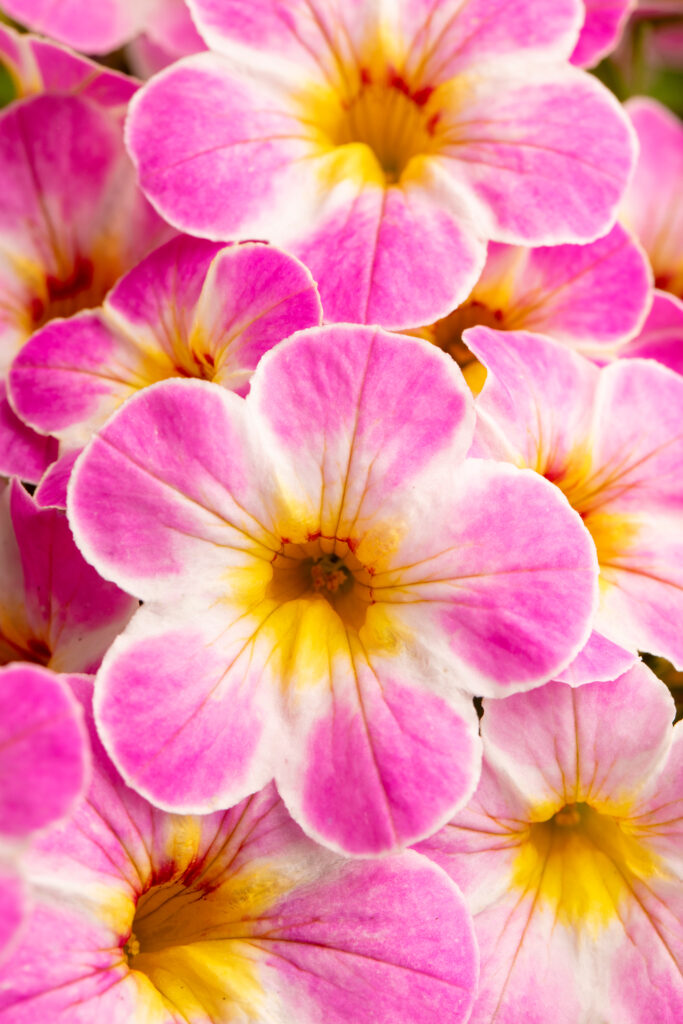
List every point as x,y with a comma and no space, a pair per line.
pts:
569,856
323,576
384,144
653,207
54,608
145,916
44,762
191,309
590,297
72,220
611,440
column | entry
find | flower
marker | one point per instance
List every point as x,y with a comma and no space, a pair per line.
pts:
590,297
569,855
44,771
384,144
191,309
323,576
611,440
54,608
652,206
145,916
72,220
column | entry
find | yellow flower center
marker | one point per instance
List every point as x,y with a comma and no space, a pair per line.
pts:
582,863
192,942
324,569
395,121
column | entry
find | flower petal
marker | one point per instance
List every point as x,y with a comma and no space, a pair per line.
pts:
544,152
44,757
605,20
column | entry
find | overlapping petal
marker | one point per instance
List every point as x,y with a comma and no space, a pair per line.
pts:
652,206
37,65
44,772
611,440
190,309
604,22
567,858
93,28
44,756
54,608
230,915
237,518
72,219
590,297
662,335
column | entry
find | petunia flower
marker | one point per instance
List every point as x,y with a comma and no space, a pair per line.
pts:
191,309
611,440
384,143
323,576
72,221
145,917
569,856
653,207
604,22
44,771
54,608
592,297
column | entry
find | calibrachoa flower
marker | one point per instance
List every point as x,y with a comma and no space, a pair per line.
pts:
653,207
36,65
590,297
384,143
611,440
44,761
72,220
54,608
323,574
569,856
603,25
191,309
144,916
662,335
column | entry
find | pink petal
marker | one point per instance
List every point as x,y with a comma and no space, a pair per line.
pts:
71,611
44,756
544,153
605,21
662,335
23,452
584,296
652,206
94,28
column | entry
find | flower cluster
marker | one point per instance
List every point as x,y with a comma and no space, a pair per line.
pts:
341,516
